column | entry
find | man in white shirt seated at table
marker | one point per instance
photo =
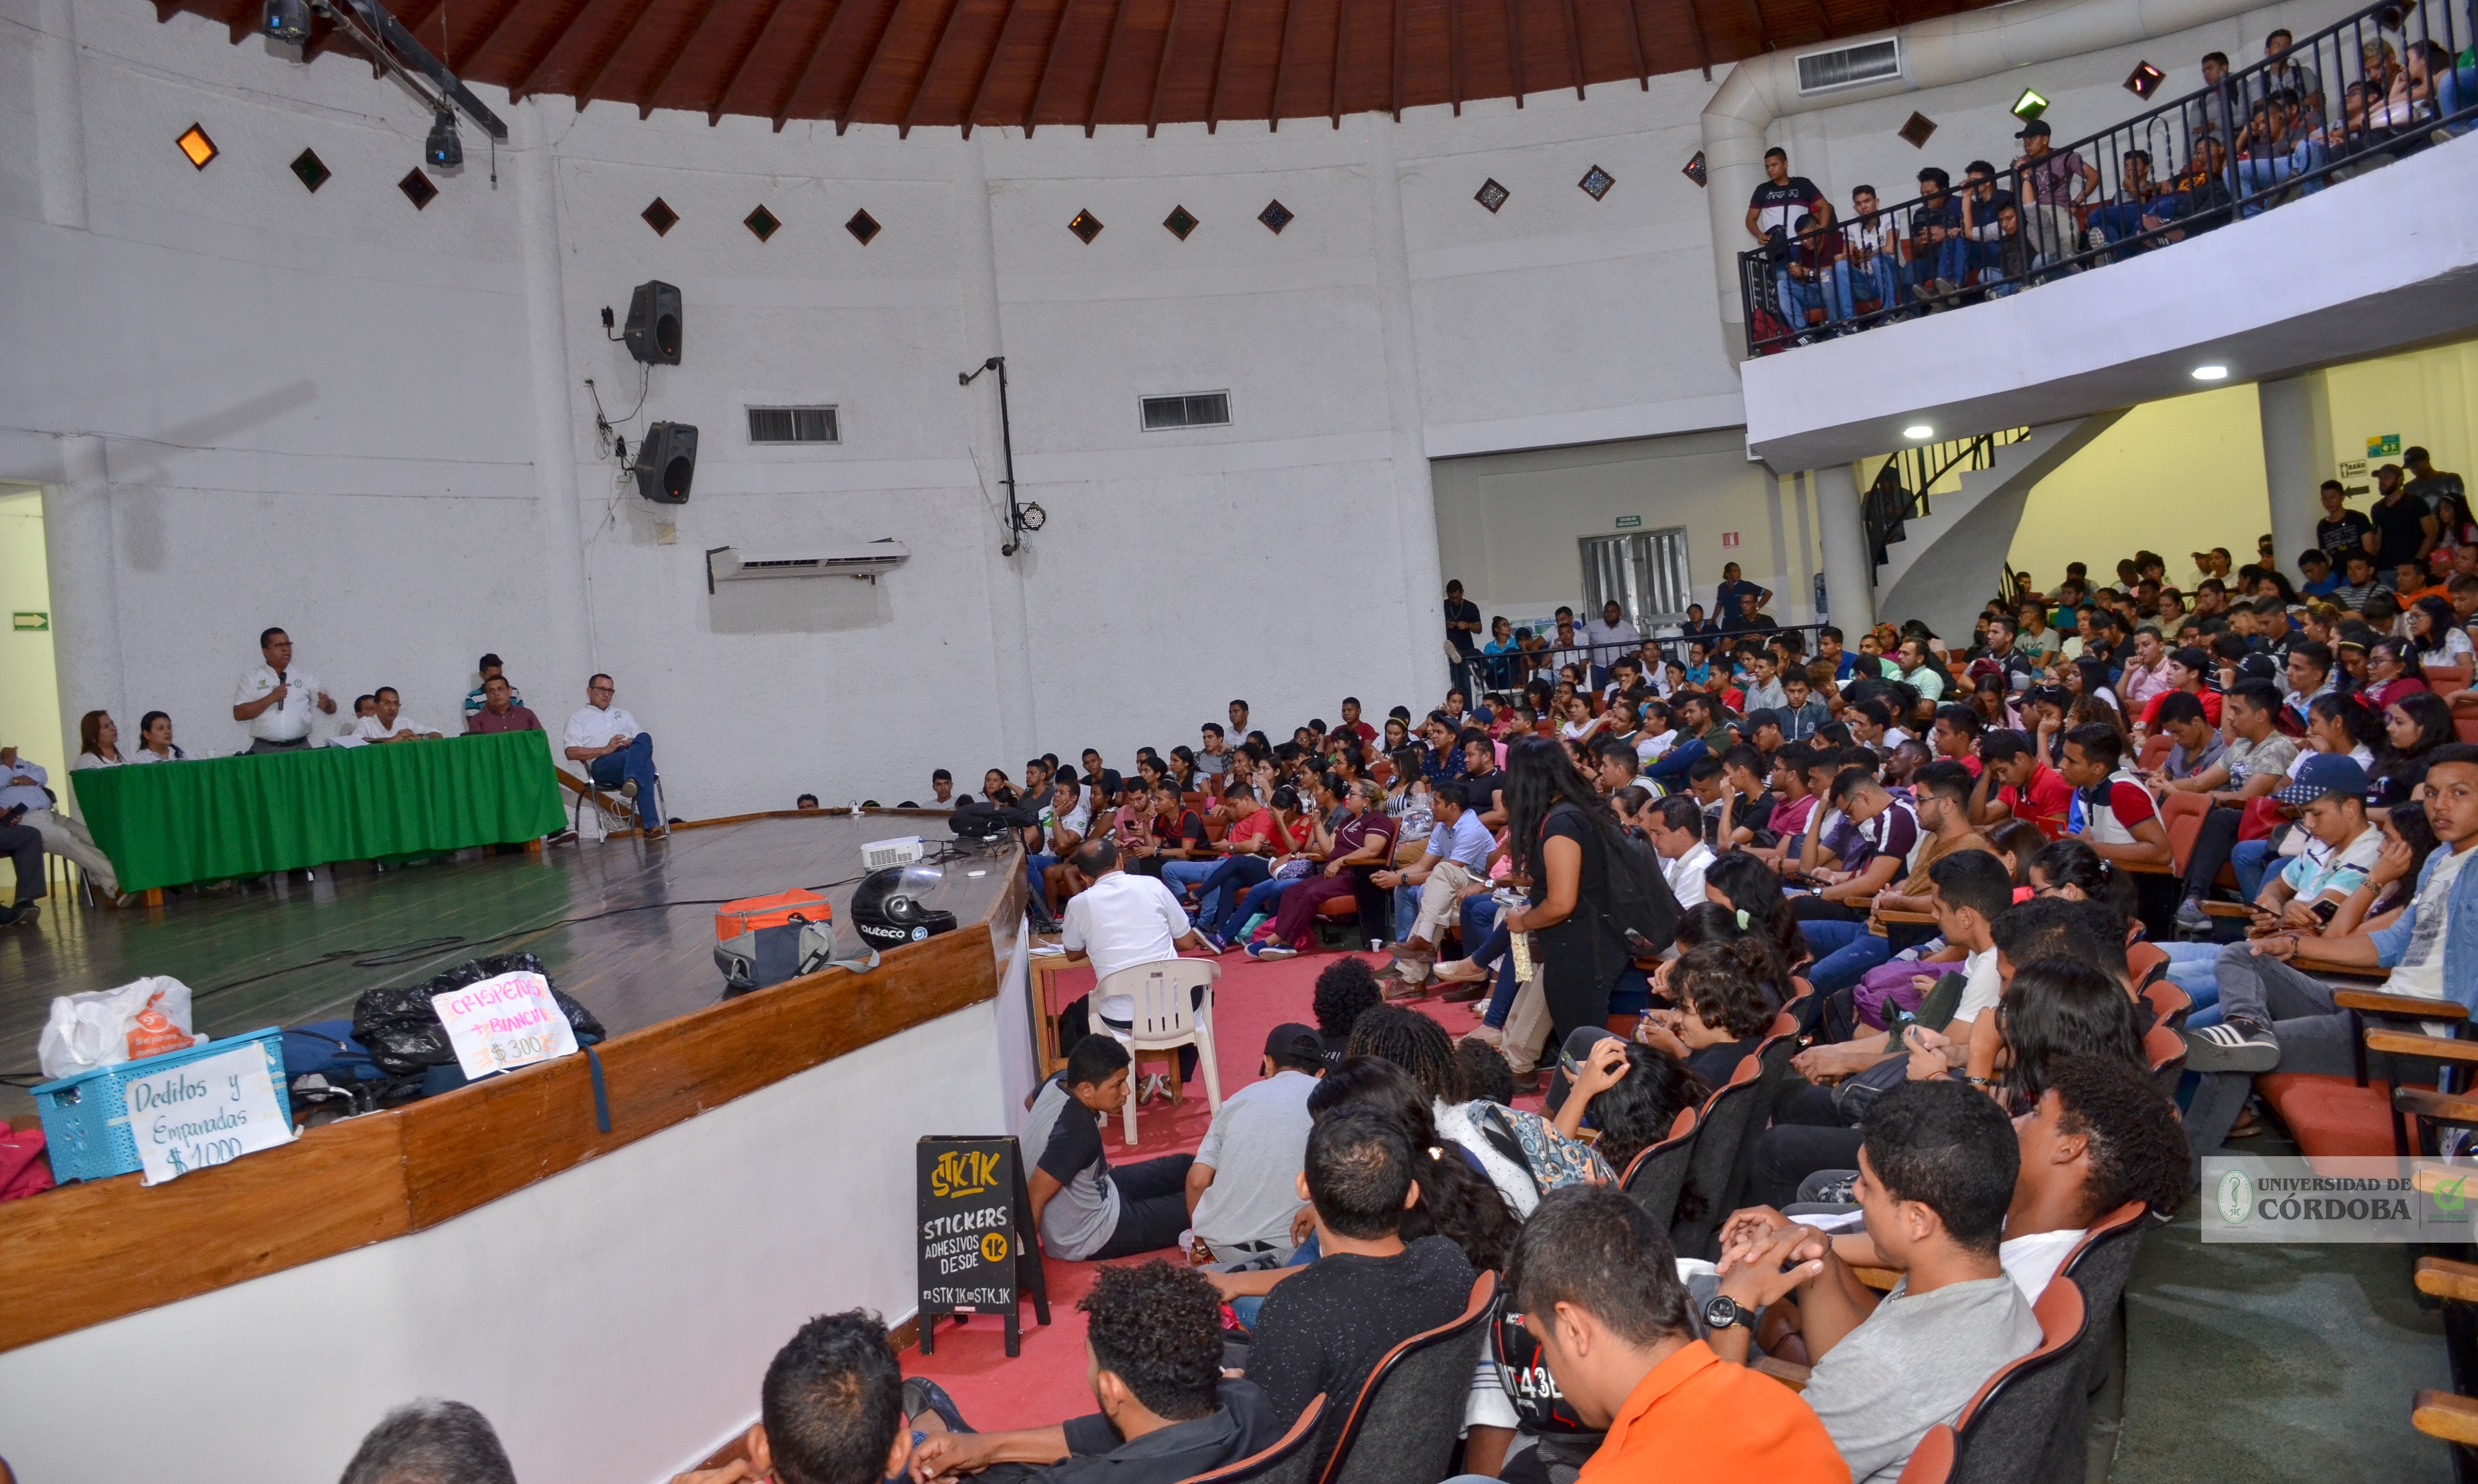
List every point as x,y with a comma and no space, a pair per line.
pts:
1120,921
277,700
616,752
21,785
386,723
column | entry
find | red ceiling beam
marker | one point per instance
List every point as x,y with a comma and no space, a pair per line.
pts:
1634,34
1109,54
1394,70
1514,49
679,48
809,62
1221,55
739,63
611,50
989,66
1161,68
1048,62
552,35
875,49
1454,53
920,84
1282,63
1333,84
1575,45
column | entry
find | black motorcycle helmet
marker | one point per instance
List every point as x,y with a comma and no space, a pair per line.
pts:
889,907
1524,1375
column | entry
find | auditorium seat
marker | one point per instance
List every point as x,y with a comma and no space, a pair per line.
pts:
2155,752
2445,679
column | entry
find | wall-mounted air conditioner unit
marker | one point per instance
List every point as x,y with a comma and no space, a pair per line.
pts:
728,563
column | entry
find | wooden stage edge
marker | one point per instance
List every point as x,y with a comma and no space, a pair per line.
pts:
89,1252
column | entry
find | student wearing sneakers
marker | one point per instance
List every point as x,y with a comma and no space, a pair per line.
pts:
1452,865
2274,1017
1083,1208
1242,1193
2110,812
1119,921
1937,1176
2257,762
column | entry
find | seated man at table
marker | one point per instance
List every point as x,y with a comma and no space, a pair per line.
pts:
501,711
21,787
484,668
386,723
617,752
277,700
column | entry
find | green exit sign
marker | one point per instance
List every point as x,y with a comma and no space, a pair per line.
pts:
1626,522
29,622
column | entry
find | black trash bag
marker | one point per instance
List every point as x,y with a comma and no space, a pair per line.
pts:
402,1031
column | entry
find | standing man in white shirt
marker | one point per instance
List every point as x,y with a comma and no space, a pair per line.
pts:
1611,635
386,723
1118,922
21,786
616,752
277,700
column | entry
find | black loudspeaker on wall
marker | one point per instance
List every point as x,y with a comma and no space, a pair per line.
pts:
653,330
666,463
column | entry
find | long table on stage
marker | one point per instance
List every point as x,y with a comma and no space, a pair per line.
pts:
211,818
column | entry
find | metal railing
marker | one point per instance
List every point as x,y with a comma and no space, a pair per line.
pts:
1510,671
2388,82
1901,488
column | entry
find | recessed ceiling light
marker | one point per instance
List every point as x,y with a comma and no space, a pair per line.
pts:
1917,430
199,150
2211,373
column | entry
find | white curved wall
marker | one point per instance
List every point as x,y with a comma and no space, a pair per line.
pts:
259,406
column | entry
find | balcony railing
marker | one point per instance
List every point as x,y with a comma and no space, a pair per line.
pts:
2385,82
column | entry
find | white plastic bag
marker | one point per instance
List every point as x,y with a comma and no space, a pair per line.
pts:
147,1017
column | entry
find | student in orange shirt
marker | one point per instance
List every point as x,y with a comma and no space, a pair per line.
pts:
1597,1285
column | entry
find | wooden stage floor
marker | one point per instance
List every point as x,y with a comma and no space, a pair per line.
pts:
292,950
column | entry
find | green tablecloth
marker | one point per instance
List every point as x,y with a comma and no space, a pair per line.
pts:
171,823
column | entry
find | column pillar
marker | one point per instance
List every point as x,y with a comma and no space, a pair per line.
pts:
79,563
567,587
1849,573
2293,466
1415,496
60,124
1018,720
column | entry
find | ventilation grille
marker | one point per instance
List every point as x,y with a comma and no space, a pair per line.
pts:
1876,61
794,425
1192,410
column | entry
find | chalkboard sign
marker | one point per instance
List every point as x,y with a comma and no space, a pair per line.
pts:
980,1253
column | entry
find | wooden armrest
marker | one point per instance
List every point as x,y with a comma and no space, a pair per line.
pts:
2226,908
2307,964
2443,1278
2432,1047
1880,1279
1794,1377
2436,1107
2409,1006
2146,868
1914,919
2431,1175
2443,1415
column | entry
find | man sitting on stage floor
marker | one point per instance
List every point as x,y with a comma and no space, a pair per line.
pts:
617,753
385,725
276,699
501,711
1083,1208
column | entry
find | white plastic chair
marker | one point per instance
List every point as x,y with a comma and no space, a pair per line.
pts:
1164,1019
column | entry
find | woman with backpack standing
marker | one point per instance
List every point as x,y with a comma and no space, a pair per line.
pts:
1562,839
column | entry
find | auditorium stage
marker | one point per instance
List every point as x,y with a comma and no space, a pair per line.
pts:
289,949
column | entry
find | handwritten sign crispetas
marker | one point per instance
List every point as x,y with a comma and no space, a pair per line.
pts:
504,1022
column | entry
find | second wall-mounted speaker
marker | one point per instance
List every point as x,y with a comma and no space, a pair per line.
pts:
667,462
654,331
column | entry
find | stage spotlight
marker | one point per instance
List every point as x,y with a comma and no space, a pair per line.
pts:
2145,80
2028,106
1031,518
445,150
287,21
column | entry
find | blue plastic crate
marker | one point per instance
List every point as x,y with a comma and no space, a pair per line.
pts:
85,1117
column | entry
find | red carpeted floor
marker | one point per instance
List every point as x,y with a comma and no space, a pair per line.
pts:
1046,1383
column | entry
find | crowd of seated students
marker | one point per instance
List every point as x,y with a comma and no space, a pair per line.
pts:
1954,893
2050,211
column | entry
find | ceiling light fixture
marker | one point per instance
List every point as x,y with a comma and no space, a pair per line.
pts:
446,149
2211,373
1918,431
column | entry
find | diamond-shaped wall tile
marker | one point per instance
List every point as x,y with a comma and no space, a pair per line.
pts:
312,169
863,226
417,188
199,149
1596,182
1917,129
1693,169
1276,216
1087,226
660,217
1179,222
762,222
1492,195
